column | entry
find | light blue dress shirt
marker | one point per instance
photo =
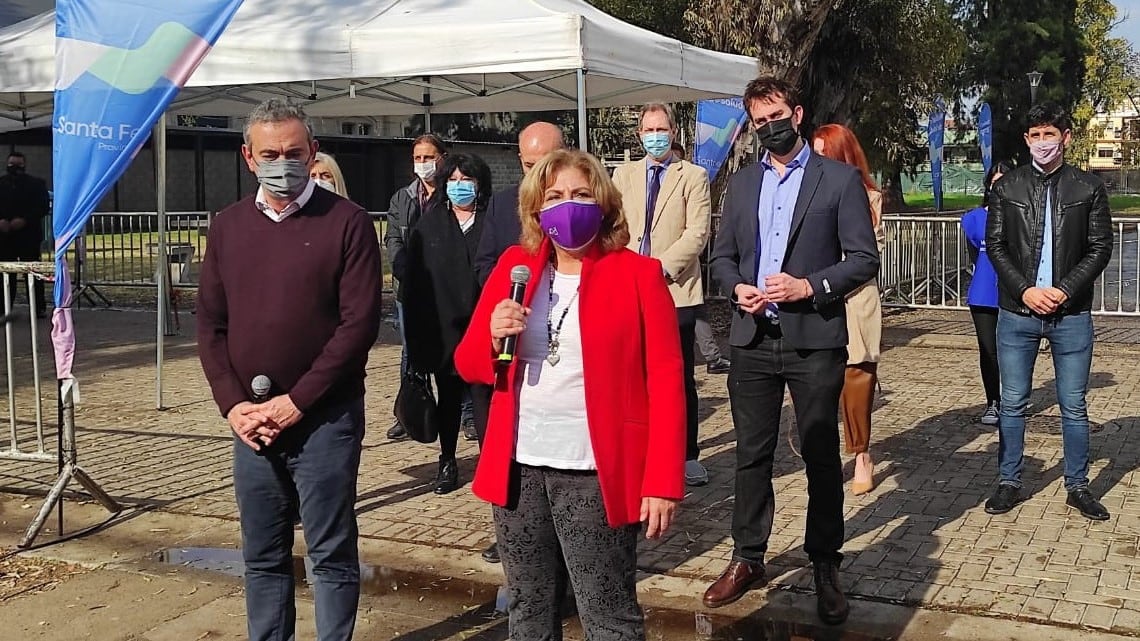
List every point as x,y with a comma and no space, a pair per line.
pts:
1045,268
778,196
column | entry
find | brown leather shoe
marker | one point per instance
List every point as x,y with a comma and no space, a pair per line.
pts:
737,578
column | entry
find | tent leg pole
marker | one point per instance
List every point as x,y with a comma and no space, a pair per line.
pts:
71,470
427,104
159,149
583,123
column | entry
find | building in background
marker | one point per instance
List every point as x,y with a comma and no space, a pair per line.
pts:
1115,154
1116,134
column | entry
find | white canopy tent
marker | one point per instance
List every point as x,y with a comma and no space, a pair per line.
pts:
398,57
345,58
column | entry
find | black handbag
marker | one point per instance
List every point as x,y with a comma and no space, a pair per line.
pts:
415,407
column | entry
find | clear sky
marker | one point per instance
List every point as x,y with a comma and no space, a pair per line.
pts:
1130,28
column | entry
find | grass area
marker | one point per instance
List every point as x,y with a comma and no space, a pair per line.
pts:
1118,203
950,202
1124,203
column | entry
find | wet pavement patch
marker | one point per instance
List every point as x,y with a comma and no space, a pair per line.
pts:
675,624
661,624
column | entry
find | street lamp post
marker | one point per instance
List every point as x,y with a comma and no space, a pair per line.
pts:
1034,82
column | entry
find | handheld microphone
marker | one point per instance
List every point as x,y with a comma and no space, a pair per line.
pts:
260,388
520,276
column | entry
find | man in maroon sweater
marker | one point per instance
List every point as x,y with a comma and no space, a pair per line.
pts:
290,290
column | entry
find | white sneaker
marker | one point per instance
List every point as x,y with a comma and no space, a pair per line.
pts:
695,473
990,417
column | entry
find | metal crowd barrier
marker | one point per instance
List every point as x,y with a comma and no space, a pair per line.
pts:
926,264
120,249
32,447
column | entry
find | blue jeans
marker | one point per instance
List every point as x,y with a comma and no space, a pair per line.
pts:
1070,341
312,467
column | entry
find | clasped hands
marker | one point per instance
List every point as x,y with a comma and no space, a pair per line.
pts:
778,288
16,224
259,424
1044,300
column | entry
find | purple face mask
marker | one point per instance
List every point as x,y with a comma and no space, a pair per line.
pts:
571,224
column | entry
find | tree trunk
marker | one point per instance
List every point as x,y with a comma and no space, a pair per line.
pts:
893,201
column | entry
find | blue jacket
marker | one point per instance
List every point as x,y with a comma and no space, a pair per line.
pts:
984,286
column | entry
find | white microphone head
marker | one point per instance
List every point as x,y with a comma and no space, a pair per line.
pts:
260,385
520,274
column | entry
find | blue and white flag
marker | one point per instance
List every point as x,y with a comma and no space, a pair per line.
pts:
118,66
936,132
718,124
986,136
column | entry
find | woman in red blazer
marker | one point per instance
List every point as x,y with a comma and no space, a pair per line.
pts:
586,435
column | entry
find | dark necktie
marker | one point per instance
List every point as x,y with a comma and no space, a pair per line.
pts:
650,205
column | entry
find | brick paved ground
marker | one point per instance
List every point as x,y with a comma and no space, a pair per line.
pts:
920,538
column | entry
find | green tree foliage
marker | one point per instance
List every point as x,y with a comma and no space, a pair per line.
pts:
880,80
779,33
1110,75
660,16
1007,40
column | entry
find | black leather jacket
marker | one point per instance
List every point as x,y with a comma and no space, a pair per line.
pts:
1082,234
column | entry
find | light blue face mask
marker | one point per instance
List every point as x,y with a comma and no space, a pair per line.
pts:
461,192
656,143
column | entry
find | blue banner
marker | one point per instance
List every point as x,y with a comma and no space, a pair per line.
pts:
986,136
936,131
118,66
718,124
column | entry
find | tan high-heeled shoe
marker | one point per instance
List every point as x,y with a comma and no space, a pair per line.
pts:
863,487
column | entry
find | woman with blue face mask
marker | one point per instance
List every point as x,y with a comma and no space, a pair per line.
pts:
440,290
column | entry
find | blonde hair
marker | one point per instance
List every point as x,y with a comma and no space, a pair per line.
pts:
325,159
614,233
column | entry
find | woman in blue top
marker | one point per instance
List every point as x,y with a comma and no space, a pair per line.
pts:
982,296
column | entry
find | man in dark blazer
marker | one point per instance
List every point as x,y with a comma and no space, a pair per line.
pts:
502,227
795,238
24,204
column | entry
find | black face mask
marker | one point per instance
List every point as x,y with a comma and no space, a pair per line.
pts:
778,136
15,170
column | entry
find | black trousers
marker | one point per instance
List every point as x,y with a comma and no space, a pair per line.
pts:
481,404
756,384
985,326
687,322
449,389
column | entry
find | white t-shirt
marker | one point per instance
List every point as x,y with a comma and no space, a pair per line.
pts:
552,428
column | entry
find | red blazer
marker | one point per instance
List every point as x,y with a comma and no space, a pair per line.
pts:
635,396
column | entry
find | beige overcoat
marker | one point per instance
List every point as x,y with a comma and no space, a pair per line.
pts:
864,310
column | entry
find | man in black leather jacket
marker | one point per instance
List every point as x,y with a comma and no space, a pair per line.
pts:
1049,236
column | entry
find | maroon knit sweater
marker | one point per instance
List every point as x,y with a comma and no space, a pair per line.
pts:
297,301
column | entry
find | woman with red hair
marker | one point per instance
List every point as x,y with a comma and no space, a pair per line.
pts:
864,318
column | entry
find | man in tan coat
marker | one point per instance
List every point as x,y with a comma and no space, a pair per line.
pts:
667,205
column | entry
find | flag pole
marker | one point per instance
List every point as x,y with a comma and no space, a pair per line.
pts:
163,274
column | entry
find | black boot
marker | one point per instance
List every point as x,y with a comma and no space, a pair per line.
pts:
448,479
830,600
491,554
